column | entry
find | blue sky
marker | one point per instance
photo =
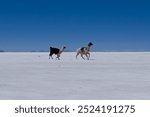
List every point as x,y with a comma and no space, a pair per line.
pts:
112,25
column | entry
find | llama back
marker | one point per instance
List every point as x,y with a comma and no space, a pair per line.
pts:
54,50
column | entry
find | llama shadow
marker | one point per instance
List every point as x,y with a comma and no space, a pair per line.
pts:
92,59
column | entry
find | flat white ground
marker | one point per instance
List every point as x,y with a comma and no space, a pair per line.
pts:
107,75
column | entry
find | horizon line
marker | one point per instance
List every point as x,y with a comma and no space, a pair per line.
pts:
91,51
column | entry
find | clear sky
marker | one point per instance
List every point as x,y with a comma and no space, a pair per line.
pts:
112,25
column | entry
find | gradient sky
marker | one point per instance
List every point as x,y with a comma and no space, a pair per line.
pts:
112,25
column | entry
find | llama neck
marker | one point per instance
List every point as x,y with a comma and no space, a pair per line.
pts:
88,48
61,50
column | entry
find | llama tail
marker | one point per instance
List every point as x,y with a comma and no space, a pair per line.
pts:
50,48
78,49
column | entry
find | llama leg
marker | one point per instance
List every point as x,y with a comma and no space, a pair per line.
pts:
58,55
77,54
82,56
87,56
50,55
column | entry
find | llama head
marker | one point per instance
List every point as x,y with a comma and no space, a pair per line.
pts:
64,47
90,44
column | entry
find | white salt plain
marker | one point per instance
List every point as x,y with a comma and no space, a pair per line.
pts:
107,75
